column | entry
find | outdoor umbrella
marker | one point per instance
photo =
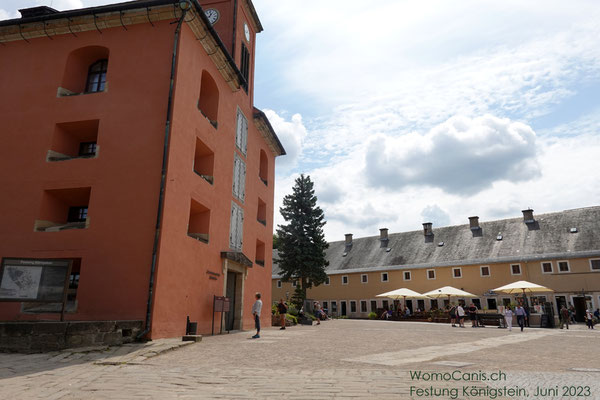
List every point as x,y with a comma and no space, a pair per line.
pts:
402,293
448,291
522,287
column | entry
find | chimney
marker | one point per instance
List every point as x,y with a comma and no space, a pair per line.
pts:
348,241
427,229
528,216
474,223
383,237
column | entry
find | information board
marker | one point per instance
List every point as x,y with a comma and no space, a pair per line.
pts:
38,280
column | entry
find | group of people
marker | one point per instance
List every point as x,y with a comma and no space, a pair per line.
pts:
567,315
458,314
522,317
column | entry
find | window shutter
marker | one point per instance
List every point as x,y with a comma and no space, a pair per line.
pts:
240,227
245,136
241,133
236,175
242,180
233,226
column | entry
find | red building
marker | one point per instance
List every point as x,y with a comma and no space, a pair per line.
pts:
131,147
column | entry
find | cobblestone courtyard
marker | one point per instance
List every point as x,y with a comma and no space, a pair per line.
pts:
338,359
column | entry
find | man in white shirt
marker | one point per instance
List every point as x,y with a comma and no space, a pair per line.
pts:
256,309
460,313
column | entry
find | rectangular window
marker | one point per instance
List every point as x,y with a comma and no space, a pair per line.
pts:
431,274
279,283
245,63
241,133
334,306
74,140
77,214
236,227
563,266
384,277
352,306
239,177
407,275
327,281
491,304
363,306
63,209
385,304
434,304
364,278
505,301
344,279
373,305
421,305
515,269
87,149
484,270
204,160
547,268
199,222
457,272
595,265
326,306
294,283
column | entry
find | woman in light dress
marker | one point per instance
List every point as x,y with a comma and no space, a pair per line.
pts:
508,316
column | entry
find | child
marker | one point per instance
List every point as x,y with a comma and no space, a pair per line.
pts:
589,319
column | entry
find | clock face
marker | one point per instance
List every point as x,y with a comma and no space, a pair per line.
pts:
247,32
212,15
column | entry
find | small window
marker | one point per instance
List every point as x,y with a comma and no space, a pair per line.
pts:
491,304
327,281
279,283
76,139
334,306
325,305
96,79
263,171
515,269
352,306
484,270
77,214
87,149
364,278
373,305
261,215
595,265
198,222
407,275
245,64
433,304
563,266
547,268
385,304
384,277
344,279
431,274
259,257
363,306
294,283
204,161
208,102
457,272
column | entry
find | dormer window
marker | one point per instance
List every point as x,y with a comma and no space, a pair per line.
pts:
96,79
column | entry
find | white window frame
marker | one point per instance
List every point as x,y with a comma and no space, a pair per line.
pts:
409,275
279,283
355,307
327,281
568,266
387,275
238,188
331,303
594,259
366,306
241,132
236,227
481,267
459,269
366,278
551,267
347,280
427,274
520,269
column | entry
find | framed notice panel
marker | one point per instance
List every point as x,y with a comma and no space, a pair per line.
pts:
34,279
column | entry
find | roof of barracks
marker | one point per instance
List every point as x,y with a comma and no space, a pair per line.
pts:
566,234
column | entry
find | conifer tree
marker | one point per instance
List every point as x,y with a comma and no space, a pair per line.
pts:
302,241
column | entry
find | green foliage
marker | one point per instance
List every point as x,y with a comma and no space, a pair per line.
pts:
276,242
301,243
292,311
372,315
298,297
274,309
291,318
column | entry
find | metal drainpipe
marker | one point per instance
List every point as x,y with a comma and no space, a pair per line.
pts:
185,6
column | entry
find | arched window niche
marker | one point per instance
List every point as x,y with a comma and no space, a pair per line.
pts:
208,102
263,172
85,71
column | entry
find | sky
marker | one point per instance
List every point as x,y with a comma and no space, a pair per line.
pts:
404,112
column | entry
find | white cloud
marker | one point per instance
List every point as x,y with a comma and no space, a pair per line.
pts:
462,155
435,215
291,134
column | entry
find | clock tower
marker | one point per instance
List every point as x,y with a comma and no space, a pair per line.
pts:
237,24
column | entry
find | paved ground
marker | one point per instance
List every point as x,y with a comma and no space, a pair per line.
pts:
338,359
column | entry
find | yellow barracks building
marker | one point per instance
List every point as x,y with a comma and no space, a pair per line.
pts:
558,250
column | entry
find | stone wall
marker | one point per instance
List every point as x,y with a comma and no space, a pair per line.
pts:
39,337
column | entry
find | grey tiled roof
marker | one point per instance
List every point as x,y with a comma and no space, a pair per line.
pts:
548,238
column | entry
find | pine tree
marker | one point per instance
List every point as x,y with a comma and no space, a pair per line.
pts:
302,241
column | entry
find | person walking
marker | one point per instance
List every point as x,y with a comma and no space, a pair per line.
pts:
452,315
256,309
520,313
508,316
564,317
589,318
282,310
460,313
473,315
